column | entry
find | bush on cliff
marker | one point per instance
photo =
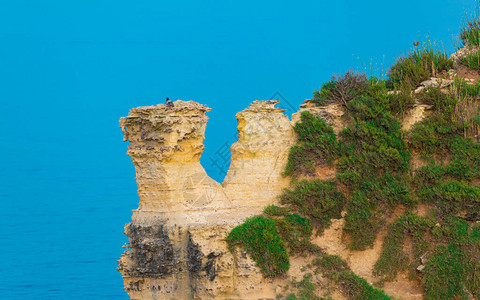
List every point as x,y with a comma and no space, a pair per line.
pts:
374,165
452,269
393,259
352,286
292,228
319,200
470,33
260,239
266,239
341,89
372,156
316,145
425,61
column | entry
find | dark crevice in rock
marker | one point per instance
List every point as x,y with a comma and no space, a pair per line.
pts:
151,254
210,265
194,257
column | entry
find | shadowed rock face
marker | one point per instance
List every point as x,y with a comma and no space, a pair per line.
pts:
176,244
151,254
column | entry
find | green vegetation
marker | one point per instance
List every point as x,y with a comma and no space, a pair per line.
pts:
319,200
259,237
399,102
296,232
305,289
470,33
352,286
341,89
374,165
435,134
452,269
472,60
393,259
316,145
425,61
267,238
451,197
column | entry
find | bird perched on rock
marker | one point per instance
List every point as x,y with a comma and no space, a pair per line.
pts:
169,102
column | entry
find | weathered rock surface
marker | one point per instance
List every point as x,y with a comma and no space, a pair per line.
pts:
176,244
259,157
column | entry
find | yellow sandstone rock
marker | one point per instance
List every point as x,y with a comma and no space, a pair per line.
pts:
177,248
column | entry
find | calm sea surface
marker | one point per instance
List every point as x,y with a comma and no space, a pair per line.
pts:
62,232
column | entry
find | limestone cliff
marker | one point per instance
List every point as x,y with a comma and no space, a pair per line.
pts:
176,244
259,157
177,247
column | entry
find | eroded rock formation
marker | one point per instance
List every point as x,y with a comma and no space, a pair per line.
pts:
176,244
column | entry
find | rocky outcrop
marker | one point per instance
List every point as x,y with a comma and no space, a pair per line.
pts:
165,147
176,246
265,136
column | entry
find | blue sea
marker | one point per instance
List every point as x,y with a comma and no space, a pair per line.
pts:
62,232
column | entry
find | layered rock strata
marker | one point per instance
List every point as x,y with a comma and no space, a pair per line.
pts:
176,246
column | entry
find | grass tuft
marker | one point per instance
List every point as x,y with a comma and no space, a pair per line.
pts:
426,61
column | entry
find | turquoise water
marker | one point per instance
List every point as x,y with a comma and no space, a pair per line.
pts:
62,233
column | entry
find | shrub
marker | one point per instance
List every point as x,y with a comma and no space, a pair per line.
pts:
356,287
273,210
260,239
296,232
467,109
407,73
316,145
393,259
465,160
362,221
451,197
463,89
352,286
454,266
341,89
472,60
372,145
317,199
306,289
436,134
424,62
452,230
444,275
374,165
476,232
400,102
440,101
470,34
